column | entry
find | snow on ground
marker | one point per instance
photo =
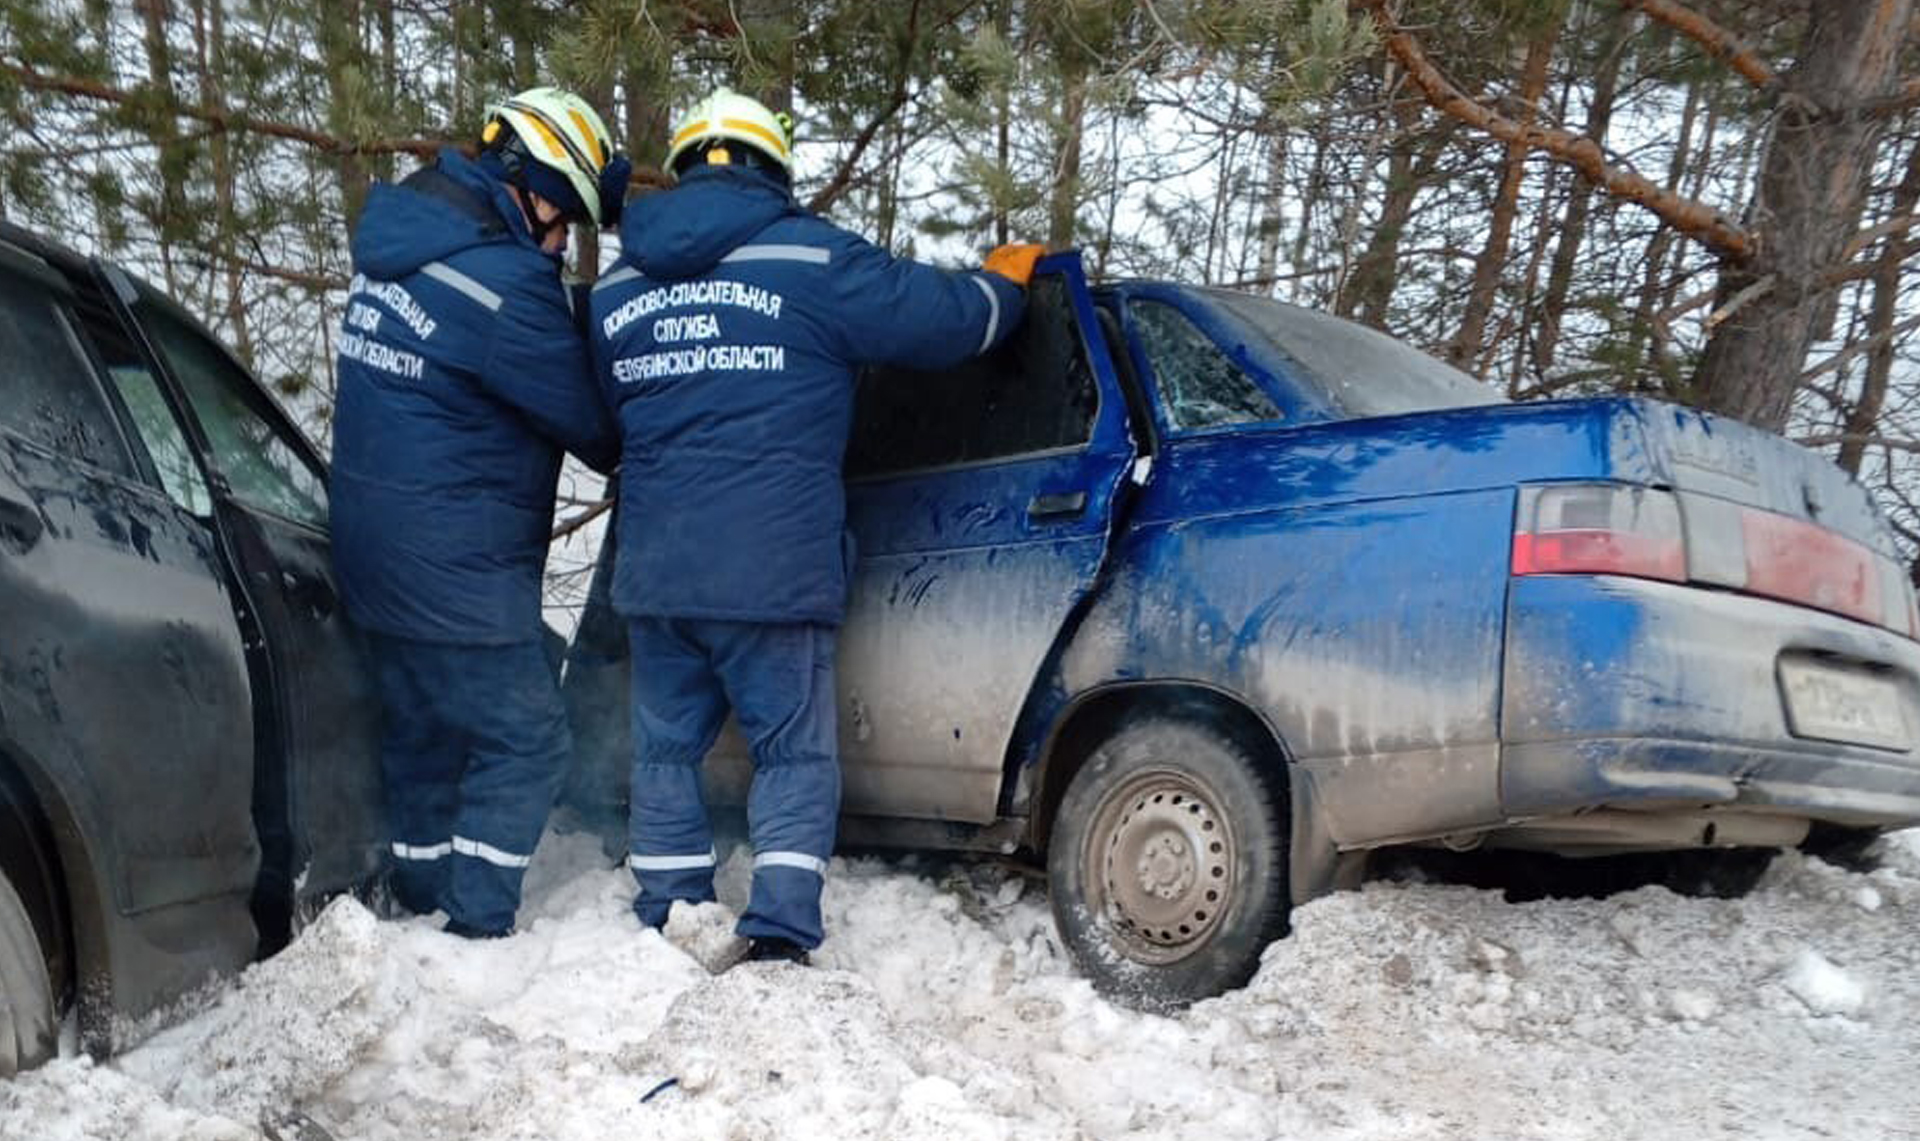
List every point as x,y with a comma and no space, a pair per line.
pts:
943,1009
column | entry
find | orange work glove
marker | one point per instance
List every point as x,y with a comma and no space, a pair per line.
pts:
1014,261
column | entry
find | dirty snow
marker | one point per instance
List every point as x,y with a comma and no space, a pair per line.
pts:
942,1009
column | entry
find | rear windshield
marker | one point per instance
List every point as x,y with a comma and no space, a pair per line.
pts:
1359,371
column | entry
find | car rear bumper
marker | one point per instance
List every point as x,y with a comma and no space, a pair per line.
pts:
1648,696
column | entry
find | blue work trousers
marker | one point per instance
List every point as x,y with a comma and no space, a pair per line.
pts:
778,680
473,749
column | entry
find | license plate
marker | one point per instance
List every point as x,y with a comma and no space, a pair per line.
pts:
1835,703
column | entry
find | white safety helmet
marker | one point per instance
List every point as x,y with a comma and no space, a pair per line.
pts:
728,116
561,132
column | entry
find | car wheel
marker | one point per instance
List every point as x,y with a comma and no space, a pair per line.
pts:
1168,862
27,1036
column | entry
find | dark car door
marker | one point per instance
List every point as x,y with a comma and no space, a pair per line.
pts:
123,677
318,800
981,500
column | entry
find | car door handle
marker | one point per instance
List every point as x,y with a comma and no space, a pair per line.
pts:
20,522
1057,505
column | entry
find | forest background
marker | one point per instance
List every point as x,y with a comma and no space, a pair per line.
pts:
1709,201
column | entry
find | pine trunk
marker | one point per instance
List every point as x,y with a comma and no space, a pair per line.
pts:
1064,195
165,136
1864,417
1465,349
1812,182
210,35
1573,227
346,66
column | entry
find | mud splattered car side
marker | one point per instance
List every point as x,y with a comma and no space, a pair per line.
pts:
1200,597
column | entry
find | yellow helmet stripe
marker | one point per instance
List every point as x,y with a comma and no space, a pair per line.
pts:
758,132
690,131
554,146
556,140
586,132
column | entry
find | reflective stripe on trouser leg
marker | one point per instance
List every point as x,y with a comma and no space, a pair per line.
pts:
420,763
792,811
780,679
678,708
662,879
508,701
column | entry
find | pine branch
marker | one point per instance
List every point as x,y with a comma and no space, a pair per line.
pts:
223,120
1719,43
1695,219
896,100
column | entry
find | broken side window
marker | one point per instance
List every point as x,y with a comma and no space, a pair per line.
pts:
1199,385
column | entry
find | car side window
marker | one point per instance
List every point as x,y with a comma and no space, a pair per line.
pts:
150,418
248,444
49,393
1199,384
1034,393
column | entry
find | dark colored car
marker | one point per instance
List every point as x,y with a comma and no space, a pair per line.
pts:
1202,597
187,751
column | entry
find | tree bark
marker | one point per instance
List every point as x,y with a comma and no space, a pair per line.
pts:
165,135
345,58
1573,227
1864,417
1812,182
1464,352
1064,194
1376,276
210,29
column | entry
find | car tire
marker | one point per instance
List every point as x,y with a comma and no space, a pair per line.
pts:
1167,865
27,1031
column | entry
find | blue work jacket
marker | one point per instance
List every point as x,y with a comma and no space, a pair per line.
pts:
463,376
727,339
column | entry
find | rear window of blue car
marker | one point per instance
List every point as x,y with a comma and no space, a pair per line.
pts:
1358,370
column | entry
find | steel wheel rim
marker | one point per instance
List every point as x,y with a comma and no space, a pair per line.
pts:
1160,859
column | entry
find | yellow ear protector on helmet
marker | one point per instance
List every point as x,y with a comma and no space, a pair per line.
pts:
730,128
547,129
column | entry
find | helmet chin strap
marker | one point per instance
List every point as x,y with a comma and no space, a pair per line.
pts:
539,228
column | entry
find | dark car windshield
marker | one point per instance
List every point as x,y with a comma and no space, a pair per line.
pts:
1359,371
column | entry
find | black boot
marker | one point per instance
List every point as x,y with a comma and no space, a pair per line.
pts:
777,950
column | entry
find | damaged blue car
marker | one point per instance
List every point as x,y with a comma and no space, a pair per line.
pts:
1198,598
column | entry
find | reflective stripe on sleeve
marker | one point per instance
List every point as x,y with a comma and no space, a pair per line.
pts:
800,860
811,255
671,863
422,851
489,853
620,274
993,312
447,275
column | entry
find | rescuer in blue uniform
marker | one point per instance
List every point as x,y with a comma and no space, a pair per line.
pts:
463,376
727,339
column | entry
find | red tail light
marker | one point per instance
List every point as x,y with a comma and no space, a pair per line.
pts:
1600,529
1802,562
1684,537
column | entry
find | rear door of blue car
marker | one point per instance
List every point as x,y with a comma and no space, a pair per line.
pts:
981,500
